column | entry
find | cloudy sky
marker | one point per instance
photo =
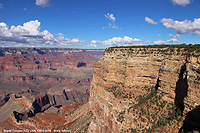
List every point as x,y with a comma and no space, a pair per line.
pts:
98,23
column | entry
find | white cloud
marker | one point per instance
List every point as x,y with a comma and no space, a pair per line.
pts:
1,5
148,41
31,28
60,34
111,25
92,45
110,17
181,2
183,27
118,41
150,21
47,35
67,42
42,3
173,40
197,33
30,34
175,36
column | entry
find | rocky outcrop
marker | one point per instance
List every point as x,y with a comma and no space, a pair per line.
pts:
4,99
16,105
121,85
22,108
68,96
74,118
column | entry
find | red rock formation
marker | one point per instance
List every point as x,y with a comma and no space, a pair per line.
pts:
43,80
53,121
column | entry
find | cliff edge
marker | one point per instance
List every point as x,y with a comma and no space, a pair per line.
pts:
146,88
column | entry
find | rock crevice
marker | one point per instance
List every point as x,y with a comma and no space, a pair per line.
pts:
121,83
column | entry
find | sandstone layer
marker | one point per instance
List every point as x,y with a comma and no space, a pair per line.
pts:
145,89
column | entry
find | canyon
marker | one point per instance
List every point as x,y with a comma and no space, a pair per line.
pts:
151,88
43,82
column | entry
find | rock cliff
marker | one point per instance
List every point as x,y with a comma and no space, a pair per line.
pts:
71,118
145,88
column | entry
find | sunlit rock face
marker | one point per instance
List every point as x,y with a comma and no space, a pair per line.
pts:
124,75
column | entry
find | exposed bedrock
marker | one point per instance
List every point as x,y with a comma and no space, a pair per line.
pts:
13,59
67,97
40,82
121,76
43,103
40,104
21,69
4,99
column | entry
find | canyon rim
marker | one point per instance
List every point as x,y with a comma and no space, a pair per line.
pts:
134,89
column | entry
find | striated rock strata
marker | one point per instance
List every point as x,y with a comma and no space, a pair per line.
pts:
144,88
40,82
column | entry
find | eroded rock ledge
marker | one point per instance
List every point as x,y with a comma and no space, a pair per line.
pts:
145,89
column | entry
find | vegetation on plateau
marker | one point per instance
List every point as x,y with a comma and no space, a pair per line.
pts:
180,49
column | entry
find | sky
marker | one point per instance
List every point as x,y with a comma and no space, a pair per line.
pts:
97,24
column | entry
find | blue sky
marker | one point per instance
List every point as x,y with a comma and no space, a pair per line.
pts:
98,23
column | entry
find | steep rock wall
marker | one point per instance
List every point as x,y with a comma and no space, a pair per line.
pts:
127,72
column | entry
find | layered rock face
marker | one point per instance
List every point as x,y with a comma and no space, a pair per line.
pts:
71,118
121,97
43,80
47,70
